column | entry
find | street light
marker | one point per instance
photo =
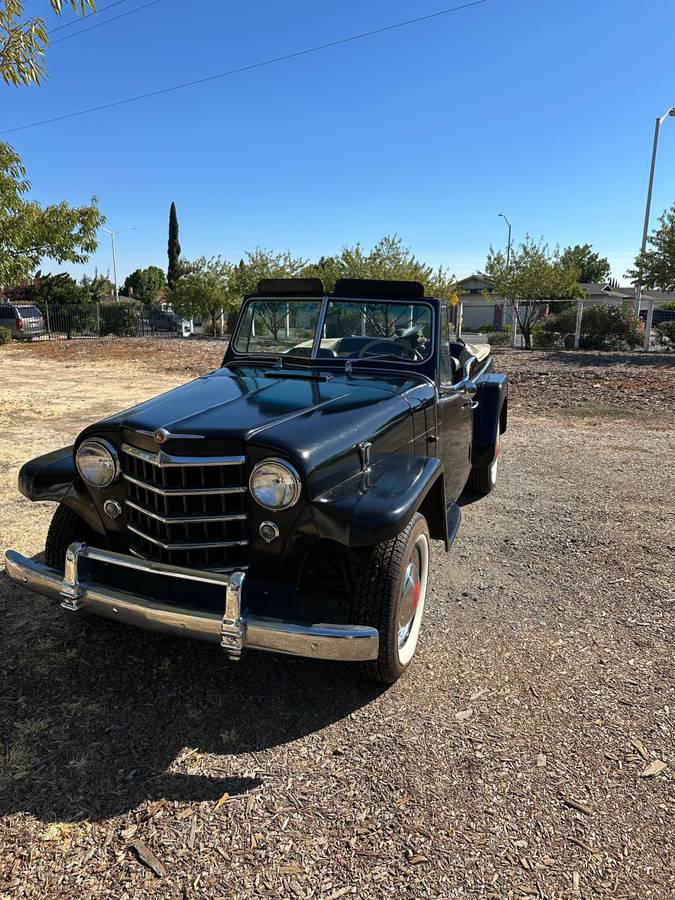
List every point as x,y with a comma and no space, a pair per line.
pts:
638,284
112,241
508,245
508,263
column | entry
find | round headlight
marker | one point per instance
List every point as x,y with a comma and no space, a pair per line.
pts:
97,463
275,484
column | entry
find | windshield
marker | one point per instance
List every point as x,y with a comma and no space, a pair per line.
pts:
352,329
278,326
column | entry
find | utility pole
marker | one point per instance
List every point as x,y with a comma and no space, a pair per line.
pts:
114,261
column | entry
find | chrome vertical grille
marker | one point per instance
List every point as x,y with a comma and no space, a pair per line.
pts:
185,510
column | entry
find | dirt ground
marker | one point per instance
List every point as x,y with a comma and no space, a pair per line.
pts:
514,759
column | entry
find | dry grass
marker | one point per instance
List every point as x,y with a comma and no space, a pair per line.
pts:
513,760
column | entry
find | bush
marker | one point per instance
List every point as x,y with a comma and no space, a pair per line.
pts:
499,338
486,326
5,336
603,327
665,330
121,319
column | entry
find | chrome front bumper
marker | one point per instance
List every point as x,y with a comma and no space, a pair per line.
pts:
234,629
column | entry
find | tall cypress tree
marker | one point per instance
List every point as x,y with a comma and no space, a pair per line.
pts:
174,248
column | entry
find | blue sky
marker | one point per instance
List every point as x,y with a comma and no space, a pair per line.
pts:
542,109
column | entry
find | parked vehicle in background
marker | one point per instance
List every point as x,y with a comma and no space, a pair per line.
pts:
161,320
23,321
286,501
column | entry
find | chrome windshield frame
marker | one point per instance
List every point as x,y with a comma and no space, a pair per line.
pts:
325,300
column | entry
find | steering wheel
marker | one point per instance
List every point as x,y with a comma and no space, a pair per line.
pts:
416,353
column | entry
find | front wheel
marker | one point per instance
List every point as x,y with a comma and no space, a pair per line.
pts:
66,526
390,589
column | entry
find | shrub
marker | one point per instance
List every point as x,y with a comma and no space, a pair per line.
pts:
499,338
5,336
121,319
486,326
603,327
665,330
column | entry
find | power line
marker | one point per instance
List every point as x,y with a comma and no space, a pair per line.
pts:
258,65
80,19
107,22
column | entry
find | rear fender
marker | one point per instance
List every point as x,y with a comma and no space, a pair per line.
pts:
377,504
489,418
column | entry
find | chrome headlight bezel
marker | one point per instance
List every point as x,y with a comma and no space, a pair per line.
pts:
288,469
101,445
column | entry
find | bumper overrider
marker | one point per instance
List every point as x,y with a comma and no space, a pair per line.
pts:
234,629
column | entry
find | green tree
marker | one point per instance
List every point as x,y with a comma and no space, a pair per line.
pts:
592,267
655,268
388,259
145,284
29,232
203,291
58,289
172,272
23,42
98,288
261,263
533,276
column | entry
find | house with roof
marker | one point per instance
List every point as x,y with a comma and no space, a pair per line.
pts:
481,306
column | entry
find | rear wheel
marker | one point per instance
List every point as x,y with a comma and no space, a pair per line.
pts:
66,527
390,589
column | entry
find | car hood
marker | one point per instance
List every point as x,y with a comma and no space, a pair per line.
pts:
311,420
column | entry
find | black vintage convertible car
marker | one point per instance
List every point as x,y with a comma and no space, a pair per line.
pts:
286,501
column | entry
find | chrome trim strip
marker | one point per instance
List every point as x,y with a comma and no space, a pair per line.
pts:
169,435
183,492
181,520
165,460
206,545
321,641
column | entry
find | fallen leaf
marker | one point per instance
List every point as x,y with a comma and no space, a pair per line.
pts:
541,760
640,747
146,856
185,813
221,800
291,869
416,860
655,767
463,715
129,832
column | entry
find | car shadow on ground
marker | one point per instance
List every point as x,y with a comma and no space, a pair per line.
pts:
93,714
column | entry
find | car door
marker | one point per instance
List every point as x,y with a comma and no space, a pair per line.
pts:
455,418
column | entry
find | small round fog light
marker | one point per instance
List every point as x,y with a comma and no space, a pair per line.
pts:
268,531
112,509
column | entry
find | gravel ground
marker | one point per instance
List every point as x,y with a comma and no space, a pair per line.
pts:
529,751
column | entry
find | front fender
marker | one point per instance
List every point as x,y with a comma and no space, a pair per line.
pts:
48,477
54,477
376,505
